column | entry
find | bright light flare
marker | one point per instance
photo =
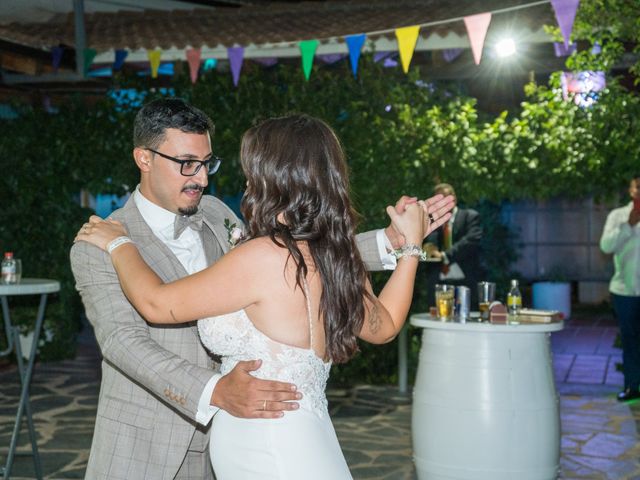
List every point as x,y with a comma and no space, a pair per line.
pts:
505,47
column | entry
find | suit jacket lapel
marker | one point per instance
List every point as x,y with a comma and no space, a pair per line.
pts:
152,249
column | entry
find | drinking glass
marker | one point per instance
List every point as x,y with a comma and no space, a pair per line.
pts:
486,295
445,301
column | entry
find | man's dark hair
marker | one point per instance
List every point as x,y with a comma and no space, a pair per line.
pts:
152,121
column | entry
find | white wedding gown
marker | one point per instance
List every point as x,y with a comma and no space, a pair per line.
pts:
300,445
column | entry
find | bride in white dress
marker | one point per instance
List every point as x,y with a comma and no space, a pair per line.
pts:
294,294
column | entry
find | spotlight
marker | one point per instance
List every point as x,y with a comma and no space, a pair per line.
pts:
505,47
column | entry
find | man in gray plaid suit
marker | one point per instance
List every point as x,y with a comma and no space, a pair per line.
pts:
159,386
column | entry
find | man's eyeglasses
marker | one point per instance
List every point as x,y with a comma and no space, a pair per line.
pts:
189,168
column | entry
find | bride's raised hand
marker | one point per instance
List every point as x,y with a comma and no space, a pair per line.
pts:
410,223
100,232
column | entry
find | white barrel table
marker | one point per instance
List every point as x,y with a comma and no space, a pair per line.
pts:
485,405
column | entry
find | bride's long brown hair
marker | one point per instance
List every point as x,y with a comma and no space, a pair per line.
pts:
296,169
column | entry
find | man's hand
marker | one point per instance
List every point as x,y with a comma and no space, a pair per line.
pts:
634,217
244,396
438,211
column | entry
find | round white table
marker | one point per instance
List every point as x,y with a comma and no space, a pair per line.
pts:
28,286
485,404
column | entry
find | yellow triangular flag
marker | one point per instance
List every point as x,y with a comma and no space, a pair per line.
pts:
154,60
407,38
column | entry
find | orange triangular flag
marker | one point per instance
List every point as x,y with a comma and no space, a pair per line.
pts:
477,26
154,60
193,58
407,38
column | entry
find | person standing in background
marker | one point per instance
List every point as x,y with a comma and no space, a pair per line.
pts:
621,237
457,244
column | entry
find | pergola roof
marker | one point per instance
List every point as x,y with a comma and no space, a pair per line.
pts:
276,29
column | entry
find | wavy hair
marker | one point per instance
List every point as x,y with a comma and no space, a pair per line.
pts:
296,172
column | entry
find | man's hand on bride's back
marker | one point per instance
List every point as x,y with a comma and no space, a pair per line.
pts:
245,396
100,232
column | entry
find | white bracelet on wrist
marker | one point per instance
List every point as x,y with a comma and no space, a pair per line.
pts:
410,250
116,242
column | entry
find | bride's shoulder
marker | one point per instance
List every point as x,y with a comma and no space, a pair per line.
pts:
259,250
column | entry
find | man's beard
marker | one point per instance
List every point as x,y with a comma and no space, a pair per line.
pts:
188,211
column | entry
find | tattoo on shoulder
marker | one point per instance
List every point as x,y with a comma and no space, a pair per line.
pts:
374,319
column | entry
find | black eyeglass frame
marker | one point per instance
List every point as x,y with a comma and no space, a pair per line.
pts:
212,165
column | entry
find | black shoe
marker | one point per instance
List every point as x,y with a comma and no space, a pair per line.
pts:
628,394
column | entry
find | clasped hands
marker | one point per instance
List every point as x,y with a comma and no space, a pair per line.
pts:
415,226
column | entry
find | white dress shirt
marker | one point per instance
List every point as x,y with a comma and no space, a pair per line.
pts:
189,250
623,241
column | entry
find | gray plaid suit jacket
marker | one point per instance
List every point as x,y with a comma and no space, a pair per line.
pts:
152,376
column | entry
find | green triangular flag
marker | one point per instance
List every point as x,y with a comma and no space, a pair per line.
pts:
89,55
308,50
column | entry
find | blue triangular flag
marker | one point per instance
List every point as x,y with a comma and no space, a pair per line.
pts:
355,43
119,61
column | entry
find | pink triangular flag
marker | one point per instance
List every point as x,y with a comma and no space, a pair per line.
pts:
565,14
236,57
477,26
193,58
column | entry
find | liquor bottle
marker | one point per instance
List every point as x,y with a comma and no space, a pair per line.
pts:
514,302
8,269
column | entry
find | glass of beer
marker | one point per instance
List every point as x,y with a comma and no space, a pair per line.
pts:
486,295
445,301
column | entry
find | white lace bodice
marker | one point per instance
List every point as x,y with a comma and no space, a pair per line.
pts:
235,338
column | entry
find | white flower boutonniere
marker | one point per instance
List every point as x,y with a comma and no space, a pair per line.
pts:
234,233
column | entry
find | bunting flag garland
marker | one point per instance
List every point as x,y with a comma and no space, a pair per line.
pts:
89,55
307,51
565,11
355,43
407,39
477,26
154,60
56,57
121,55
236,57
193,58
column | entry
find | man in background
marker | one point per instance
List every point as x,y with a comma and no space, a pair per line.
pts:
457,245
621,237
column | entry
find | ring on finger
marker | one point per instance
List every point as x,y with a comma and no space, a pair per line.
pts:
431,219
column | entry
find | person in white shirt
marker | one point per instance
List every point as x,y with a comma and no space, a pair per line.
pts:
621,237
160,388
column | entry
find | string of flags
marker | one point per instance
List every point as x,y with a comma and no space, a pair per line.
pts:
407,37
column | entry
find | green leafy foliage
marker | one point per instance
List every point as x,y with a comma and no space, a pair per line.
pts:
401,136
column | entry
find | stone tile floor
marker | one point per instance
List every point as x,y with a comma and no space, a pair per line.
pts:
600,437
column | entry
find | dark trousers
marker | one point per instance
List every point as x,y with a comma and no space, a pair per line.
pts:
628,313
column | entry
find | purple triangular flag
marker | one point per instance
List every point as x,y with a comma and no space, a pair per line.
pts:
565,14
450,54
236,57
562,51
56,57
119,61
330,58
266,61
355,43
